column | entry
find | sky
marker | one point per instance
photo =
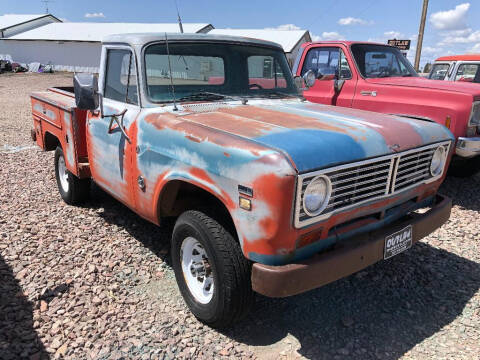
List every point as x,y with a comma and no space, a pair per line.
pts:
452,26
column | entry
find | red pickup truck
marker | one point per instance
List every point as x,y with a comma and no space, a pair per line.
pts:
379,78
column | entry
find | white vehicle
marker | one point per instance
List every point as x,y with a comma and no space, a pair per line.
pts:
465,68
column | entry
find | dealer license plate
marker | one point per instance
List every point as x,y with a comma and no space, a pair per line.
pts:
398,242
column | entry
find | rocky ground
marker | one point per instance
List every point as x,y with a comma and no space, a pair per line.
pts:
94,282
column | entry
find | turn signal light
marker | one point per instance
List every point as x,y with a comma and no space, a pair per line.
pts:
448,121
245,204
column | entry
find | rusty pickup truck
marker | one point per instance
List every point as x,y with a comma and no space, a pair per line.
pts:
271,194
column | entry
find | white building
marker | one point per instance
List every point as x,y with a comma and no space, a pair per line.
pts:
291,40
77,46
12,24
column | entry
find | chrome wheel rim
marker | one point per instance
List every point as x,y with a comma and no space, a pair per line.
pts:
63,174
197,270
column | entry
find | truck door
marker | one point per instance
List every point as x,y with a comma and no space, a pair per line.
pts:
111,149
329,64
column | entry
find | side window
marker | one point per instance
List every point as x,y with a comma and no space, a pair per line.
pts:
468,73
324,61
264,72
121,77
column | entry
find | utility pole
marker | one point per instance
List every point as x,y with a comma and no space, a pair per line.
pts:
46,5
421,30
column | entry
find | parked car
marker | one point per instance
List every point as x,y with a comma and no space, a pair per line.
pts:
271,194
464,68
379,78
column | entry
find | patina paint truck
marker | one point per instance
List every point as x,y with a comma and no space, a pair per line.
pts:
271,194
379,78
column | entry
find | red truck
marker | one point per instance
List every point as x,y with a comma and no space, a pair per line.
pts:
379,78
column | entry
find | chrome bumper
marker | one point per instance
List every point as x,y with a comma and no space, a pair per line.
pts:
468,147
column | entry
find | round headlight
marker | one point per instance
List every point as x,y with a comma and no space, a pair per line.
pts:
317,195
438,161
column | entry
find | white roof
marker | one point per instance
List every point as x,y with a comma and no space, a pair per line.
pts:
89,31
287,38
9,20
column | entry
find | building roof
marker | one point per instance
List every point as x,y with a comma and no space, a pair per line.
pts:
467,57
287,38
95,32
144,38
10,20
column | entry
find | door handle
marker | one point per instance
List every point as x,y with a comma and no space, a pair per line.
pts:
368,93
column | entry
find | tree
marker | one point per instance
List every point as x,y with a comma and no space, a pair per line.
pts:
427,68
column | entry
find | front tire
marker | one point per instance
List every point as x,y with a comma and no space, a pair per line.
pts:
213,276
72,189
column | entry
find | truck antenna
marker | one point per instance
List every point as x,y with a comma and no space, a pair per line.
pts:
171,76
179,18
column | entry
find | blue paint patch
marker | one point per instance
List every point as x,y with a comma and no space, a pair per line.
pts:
315,149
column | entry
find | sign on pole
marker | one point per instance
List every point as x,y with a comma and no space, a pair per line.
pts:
401,44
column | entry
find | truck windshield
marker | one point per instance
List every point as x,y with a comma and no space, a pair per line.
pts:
211,71
439,71
378,61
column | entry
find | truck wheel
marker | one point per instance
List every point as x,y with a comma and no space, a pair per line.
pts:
211,271
72,189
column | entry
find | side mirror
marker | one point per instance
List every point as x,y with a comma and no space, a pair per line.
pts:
86,91
309,78
299,83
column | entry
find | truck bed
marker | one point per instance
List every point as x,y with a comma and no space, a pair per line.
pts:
57,121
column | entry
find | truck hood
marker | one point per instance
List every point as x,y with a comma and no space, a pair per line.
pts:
314,136
420,82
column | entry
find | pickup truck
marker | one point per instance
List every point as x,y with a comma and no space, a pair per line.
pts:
463,68
379,78
270,193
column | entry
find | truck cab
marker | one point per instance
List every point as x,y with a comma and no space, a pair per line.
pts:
377,77
462,68
270,194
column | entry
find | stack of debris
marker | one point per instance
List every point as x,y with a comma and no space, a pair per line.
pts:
8,65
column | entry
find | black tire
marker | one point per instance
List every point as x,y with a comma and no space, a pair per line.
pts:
77,190
464,168
232,295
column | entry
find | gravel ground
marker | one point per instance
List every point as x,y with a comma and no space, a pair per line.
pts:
95,282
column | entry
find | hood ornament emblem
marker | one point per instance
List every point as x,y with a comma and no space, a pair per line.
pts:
394,147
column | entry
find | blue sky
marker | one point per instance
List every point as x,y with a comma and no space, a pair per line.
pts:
452,26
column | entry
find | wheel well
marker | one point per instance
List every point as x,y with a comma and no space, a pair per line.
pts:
179,196
51,142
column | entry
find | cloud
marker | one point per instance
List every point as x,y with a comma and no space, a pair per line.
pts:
472,37
454,19
393,34
475,49
353,21
285,27
331,35
95,15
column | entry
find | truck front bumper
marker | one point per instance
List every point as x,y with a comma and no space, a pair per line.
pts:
468,147
344,259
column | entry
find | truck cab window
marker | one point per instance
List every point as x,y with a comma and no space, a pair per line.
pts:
264,72
468,73
324,61
121,77
439,71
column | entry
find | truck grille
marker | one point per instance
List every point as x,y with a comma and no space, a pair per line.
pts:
357,183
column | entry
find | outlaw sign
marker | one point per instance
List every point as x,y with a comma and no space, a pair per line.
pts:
401,44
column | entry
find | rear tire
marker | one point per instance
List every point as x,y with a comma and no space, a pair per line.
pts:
72,189
212,274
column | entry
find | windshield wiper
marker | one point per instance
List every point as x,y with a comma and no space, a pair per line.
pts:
407,75
211,96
